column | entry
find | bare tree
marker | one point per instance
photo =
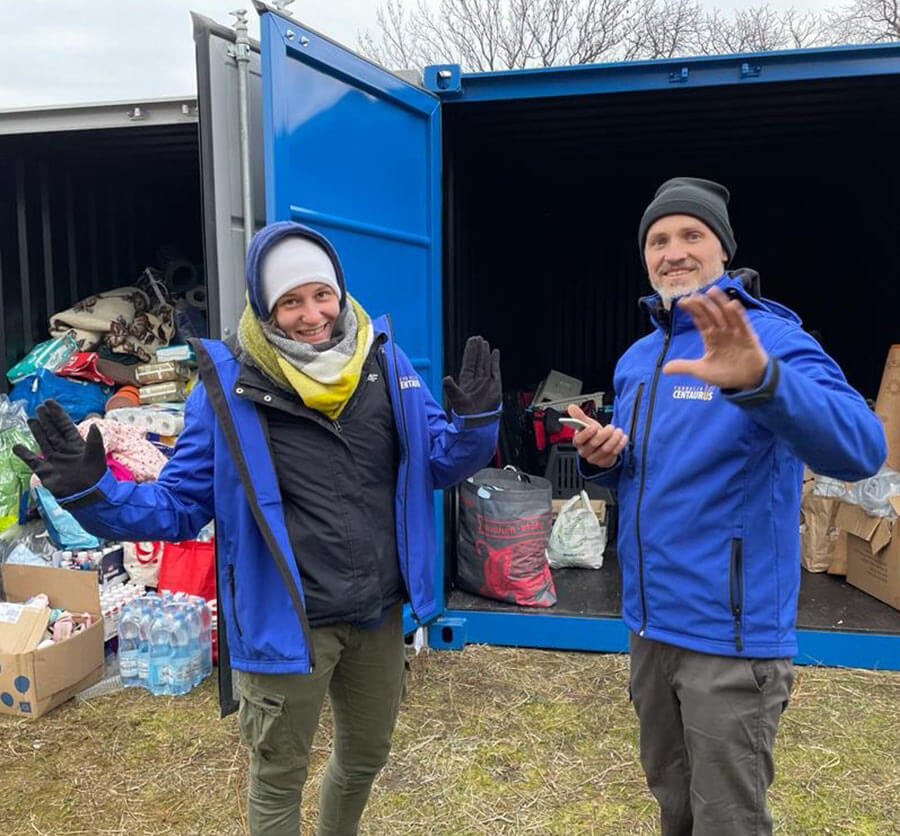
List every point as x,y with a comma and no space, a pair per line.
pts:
486,35
502,34
760,29
667,28
868,21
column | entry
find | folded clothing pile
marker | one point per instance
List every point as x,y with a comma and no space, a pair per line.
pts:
128,320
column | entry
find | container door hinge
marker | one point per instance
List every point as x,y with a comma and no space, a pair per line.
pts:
749,70
444,79
680,77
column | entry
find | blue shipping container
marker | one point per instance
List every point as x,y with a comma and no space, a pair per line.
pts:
507,204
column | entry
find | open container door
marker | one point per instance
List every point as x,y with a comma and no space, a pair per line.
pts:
220,166
354,152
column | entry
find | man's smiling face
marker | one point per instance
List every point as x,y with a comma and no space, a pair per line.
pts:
682,254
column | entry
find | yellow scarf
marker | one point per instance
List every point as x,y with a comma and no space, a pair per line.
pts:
329,396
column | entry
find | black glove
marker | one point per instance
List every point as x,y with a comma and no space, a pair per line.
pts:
70,465
479,389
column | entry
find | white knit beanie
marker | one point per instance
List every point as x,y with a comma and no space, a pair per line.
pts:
292,261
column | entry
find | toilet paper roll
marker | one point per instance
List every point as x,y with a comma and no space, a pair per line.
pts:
162,423
196,298
181,275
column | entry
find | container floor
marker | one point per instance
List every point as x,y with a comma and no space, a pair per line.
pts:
827,602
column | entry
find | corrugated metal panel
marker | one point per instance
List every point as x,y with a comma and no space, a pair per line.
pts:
83,212
99,115
681,116
544,198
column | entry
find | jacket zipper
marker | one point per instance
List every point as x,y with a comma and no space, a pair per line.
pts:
736,589
637,514
218,400
234,602
332,425
634,417
406,466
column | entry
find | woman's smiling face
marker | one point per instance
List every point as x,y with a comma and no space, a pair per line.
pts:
306,313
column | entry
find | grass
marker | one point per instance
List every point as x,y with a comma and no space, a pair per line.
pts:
495,741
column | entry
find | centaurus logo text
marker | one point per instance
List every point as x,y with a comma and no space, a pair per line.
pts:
409,382
693,393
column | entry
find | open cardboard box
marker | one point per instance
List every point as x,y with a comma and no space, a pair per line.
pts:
887,407
873,551
35,681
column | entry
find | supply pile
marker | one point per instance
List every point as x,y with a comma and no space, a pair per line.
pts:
118,360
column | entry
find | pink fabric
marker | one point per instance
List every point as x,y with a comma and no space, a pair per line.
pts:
129,446
122,473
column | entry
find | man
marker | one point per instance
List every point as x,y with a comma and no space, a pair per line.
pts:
715,412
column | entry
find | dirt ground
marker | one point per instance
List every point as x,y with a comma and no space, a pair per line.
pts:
494,741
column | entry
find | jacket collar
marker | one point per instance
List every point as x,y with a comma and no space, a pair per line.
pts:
740,284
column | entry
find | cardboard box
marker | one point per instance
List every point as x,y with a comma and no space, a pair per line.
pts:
873,552
887,407
823,545
35,681
21,627
599,506
838,565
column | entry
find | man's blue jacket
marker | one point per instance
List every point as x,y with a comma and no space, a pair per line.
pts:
709,483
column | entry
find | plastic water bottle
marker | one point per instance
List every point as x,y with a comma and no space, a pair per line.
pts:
180,681
205,635
192,619
146,614
161,654
129,647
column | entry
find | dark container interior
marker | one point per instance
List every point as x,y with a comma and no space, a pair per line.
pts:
542,203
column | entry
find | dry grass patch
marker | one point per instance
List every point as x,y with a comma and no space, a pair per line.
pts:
495,741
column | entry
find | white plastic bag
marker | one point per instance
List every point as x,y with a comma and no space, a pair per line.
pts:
577,539
873,494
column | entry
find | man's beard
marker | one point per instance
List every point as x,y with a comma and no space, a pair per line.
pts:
670,295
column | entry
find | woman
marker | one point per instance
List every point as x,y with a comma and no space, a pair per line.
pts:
316,447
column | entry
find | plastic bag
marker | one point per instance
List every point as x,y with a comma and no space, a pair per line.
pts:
77,397
189,566
64,530
50,355
577,539
831,488
23,556
14,473
504,523
872,494
33,535
83,366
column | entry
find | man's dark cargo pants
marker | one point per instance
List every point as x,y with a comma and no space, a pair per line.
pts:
708,725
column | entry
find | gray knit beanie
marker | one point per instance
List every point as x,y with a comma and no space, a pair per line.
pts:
692,196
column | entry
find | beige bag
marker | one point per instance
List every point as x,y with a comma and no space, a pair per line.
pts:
819,537
141,561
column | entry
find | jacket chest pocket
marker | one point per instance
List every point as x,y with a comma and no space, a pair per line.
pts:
631,429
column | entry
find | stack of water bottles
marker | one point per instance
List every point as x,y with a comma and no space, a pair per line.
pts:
165,643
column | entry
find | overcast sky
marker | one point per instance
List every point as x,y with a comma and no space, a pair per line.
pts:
72,51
